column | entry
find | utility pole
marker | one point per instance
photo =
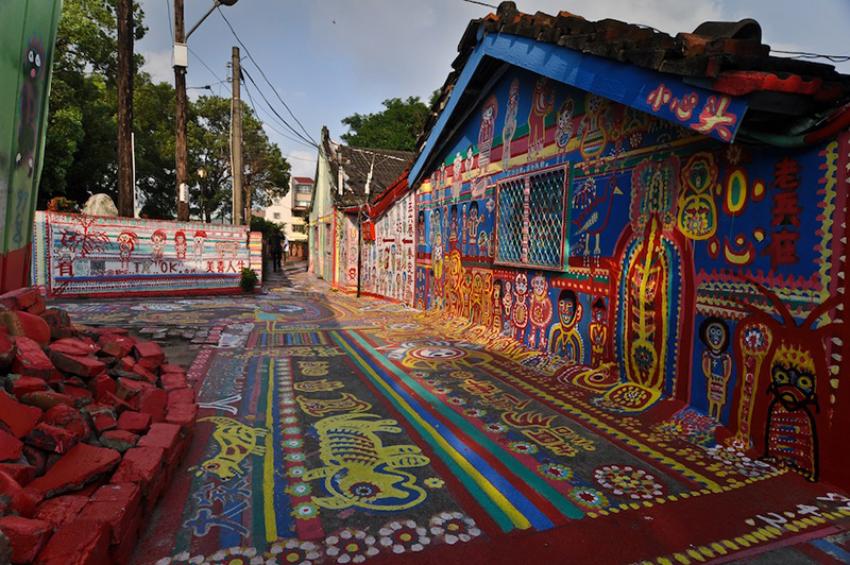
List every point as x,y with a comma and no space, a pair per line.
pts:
236,140
181,152
126,192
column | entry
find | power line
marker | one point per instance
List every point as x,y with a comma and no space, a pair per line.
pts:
306,140
481,3
263,74
168,12
212,72
808,55
256,113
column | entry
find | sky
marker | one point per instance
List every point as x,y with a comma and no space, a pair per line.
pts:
331,58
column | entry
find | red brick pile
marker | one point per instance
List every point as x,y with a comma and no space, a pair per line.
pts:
93,423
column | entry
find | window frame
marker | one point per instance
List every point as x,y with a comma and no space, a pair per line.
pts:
526,178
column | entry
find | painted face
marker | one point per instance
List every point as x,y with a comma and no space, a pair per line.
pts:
33,62
794,386
716,336
538,285
567,310
599,315
521,284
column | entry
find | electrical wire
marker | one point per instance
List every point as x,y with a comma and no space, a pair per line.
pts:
212,72
168,12
808,55
305,140
481,3
263,74
256,113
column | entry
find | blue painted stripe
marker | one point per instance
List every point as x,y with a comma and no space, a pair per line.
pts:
528,509
832,550
283,509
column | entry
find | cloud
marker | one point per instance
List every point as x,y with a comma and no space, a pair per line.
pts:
303,162
158,65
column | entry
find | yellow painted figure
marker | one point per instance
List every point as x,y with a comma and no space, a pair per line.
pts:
236,441
359,470
716,363
564,338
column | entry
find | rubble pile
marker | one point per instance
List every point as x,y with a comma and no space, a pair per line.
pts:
93,423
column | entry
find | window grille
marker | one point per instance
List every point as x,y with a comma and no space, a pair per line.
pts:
530,226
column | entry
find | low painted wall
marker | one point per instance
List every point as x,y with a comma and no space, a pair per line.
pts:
93,256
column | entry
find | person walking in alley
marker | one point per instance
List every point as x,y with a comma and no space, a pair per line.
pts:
277,251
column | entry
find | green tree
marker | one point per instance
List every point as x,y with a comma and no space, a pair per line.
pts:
397,126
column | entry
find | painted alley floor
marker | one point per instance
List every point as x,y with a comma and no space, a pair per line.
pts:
338,430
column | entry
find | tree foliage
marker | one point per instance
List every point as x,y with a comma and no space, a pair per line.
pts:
397,126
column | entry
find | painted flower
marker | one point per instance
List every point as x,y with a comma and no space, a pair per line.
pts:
454,527
461,374
305,511
442,389
434,482
496,428
644,358
588,498
402,537
457,400
555,471
299,489
628,481
350,546
420,374
291,431
295,456
732,457
238,556
289,419
293,442
475,412
296,472
523,447
295,552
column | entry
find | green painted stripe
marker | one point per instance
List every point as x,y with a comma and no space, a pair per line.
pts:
496,513
258,517
566,507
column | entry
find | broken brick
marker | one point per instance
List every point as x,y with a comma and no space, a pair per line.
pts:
61,510
51,438
81,542
153,401
173,381
26,535
21,385
137,422
37,458
74,346
11,448
47,399
102,385
119,440
19,499
7,350
80,365
70,419
182,414
170,368
165,436
149,354
31,326
23,473
181,396
144,373
20,298
81,465
117,346
30,359
102,417
128,388
19,418
116,505
140,465
81,395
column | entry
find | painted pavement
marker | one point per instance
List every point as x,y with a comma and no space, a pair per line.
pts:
334,430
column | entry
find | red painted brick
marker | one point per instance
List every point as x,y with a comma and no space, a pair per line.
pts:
117,346
18,499
81,365
32,326
20,298
102,385
102,417
7,349
119,440
59,323
149,354
116,505
47,399
171,368
51,438
30,360
38,308
165,436
136,422
182,414
181,396
61,510
80,466
144,373
26,535
11,448
19,418
173,381
153,401
140,465
23,473
79,542
128,388
22,385
37,458
69,418
80,394
74,346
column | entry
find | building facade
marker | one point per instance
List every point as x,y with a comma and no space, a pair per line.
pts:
291,211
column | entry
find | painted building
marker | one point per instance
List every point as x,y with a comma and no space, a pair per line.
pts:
661,210
352,192
27,35
291,211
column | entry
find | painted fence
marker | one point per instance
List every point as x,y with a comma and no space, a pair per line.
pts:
27,34
79,255
677,265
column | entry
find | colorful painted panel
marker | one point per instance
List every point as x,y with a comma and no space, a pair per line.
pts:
388,262
691,269
77,255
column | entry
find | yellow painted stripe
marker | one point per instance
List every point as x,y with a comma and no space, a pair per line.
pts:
268,462
516,517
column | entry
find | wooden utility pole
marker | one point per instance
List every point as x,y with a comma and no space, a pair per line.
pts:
236,141
181,152
126,188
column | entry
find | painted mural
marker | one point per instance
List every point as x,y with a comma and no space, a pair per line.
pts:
78,255
27,34
672,264
388,262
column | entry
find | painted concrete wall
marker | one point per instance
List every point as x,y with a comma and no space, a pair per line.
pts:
77,255
27,35
675,265
321,223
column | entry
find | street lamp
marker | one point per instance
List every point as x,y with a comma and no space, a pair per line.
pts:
181,62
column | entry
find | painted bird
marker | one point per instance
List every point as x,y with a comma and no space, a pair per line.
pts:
589,221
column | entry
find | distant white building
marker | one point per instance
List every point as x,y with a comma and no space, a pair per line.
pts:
291,210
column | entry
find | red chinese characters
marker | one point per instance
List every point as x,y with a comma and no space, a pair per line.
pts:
785,214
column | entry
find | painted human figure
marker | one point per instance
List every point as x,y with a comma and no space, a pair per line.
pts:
496,307
509,128
564,338
519,308
598,332
542,103
486,132
126,246
540,313
507,304
463,240
564,130
457,178
420,227
716,363
453,227
469,162
200,238
158,245
180,244
32,89
466,295
472,222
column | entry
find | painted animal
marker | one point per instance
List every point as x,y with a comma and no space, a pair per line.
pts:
359,470
236,441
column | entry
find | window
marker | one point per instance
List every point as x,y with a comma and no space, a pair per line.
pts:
530,220
304,189
276,215
299,228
